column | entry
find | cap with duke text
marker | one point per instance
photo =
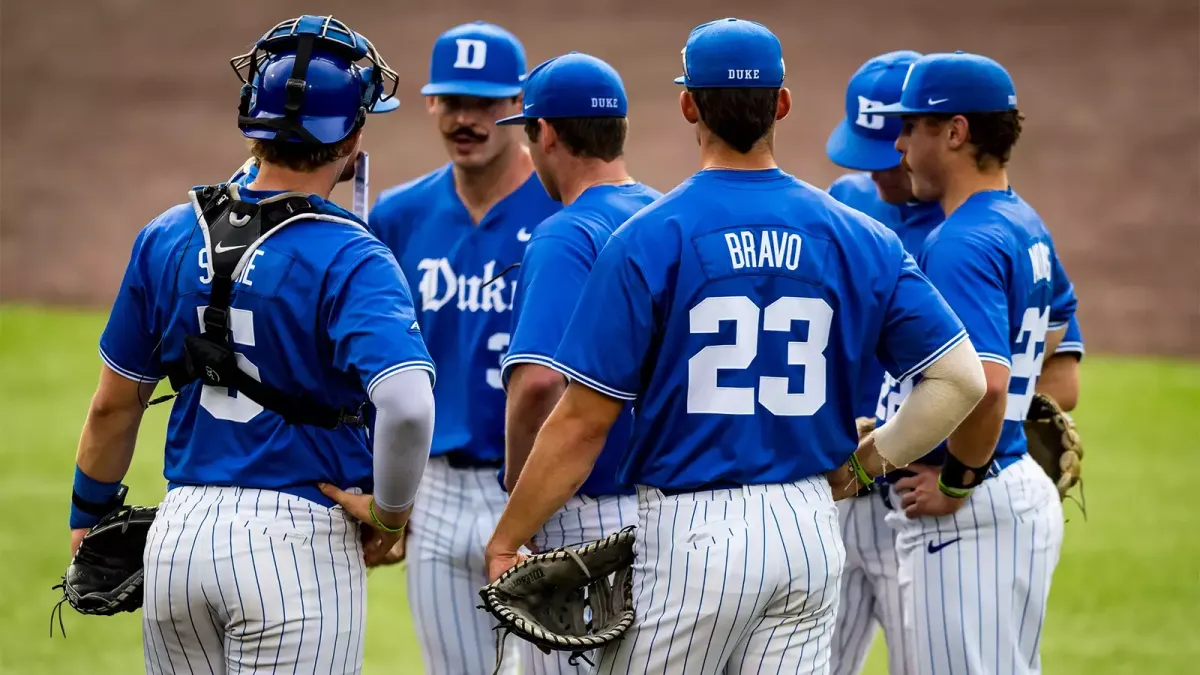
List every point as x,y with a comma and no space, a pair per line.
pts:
732,53
864,141
476,59
954,83
572,85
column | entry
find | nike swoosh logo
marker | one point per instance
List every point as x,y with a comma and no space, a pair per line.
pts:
222,249
935,101
934,549
523,235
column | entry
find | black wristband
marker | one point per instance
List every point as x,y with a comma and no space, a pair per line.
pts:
959,477
99,509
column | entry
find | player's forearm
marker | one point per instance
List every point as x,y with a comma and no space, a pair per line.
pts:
948,391
403,435
106,444
974,441
1060,380
562,458
533,391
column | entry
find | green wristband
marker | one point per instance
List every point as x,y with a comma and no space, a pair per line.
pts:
379,524
956,493
859,472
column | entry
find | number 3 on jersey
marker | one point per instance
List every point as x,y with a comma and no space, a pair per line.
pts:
706,396
218,401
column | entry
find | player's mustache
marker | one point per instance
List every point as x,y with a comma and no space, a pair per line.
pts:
467,134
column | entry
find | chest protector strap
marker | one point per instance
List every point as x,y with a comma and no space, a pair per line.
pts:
233,231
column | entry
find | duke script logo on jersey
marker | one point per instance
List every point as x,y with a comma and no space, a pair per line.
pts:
440,284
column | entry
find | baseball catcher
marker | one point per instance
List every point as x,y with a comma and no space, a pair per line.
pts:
105,576
1054,444
564,600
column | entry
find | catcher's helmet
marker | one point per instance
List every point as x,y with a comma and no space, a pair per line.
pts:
302,82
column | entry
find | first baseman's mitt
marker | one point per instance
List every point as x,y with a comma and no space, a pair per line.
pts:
1054,443
105,576
546,598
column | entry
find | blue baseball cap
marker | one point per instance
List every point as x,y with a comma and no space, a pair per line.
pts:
954,83
572,85
864,141
476,59
732,53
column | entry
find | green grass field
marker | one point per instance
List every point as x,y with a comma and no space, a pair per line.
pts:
1126,596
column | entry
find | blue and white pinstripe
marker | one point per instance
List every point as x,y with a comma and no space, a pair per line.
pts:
582,519
733,581
221,596
454,516
978,604
870,588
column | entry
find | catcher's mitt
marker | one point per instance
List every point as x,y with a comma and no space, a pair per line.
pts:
1054,444
105,576
545,599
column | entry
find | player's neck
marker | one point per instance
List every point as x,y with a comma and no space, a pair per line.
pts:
275,178
483,188
963,184
716,154
589,173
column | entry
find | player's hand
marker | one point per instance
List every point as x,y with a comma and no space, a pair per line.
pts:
76,539
499,561
398,551
377,543
920,496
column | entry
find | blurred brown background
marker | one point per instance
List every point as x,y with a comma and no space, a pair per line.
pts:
112,109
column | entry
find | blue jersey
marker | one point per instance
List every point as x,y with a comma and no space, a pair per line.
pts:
738,312
320,309
555,267
994,261
912,222
1072,341
465,320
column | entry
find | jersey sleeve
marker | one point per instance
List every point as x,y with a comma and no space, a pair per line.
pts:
919,327
1072,342
130,337
970,275
372,323
612,327
553,272
1062,305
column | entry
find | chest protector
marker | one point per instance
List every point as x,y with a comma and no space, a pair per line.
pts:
233,230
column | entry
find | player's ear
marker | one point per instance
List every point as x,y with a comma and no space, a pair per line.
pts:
547,136
687,105
784,106
430,104
958,132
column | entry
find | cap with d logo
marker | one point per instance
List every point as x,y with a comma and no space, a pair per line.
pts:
476,59
954,83
864,141
732,53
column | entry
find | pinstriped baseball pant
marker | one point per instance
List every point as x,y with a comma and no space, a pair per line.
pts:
733,581
870,588
452,520
582,519
252,581
976,583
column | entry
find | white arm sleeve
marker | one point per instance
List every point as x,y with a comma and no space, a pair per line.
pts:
948,391
403,434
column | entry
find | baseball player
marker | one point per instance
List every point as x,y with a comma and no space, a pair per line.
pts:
737,312
979,527
574,115
280,322
457,231
880,187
